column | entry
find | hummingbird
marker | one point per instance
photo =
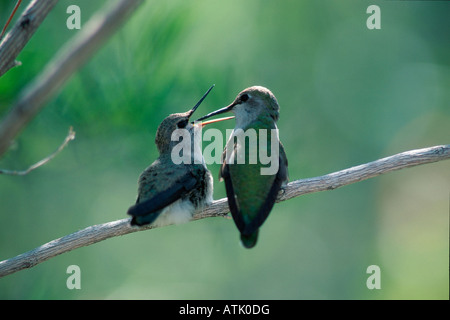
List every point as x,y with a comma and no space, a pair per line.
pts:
251,194
169,193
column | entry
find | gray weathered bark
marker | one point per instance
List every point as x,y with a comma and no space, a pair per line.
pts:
219,208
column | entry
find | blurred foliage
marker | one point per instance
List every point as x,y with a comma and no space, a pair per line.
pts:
348,95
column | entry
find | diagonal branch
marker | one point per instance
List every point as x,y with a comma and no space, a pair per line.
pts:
219,208
10,18
66,62
21,33
365,171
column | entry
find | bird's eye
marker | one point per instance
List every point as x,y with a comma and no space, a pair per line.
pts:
182,123
244,97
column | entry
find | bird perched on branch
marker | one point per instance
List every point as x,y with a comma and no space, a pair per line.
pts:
252,187
168,192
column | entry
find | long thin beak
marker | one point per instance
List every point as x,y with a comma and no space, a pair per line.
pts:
200,101
223,110
215,120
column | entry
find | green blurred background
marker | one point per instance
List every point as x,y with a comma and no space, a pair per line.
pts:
348,95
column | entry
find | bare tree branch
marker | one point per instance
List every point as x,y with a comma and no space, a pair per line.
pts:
68,60
219,208
10,18
22,32
70,136
365,171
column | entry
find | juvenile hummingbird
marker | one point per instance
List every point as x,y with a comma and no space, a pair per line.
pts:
169,193
251,194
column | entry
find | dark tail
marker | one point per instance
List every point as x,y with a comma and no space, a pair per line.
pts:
144,220
249,241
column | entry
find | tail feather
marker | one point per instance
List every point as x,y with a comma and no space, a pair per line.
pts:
249,241
144,220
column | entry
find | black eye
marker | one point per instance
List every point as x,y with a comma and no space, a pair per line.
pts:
182,123
244,97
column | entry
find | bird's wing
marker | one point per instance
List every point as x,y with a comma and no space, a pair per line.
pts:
224,174
265,209
270,197
280,178
154,197
232,203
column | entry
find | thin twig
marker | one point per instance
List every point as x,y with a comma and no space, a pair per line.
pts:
66,62
70,137
10,18
219,208
27,24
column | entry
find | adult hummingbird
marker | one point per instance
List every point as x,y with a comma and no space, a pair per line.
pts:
169,193
252,194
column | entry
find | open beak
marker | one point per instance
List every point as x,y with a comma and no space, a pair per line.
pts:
215,120
223,110
191,112
212,113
